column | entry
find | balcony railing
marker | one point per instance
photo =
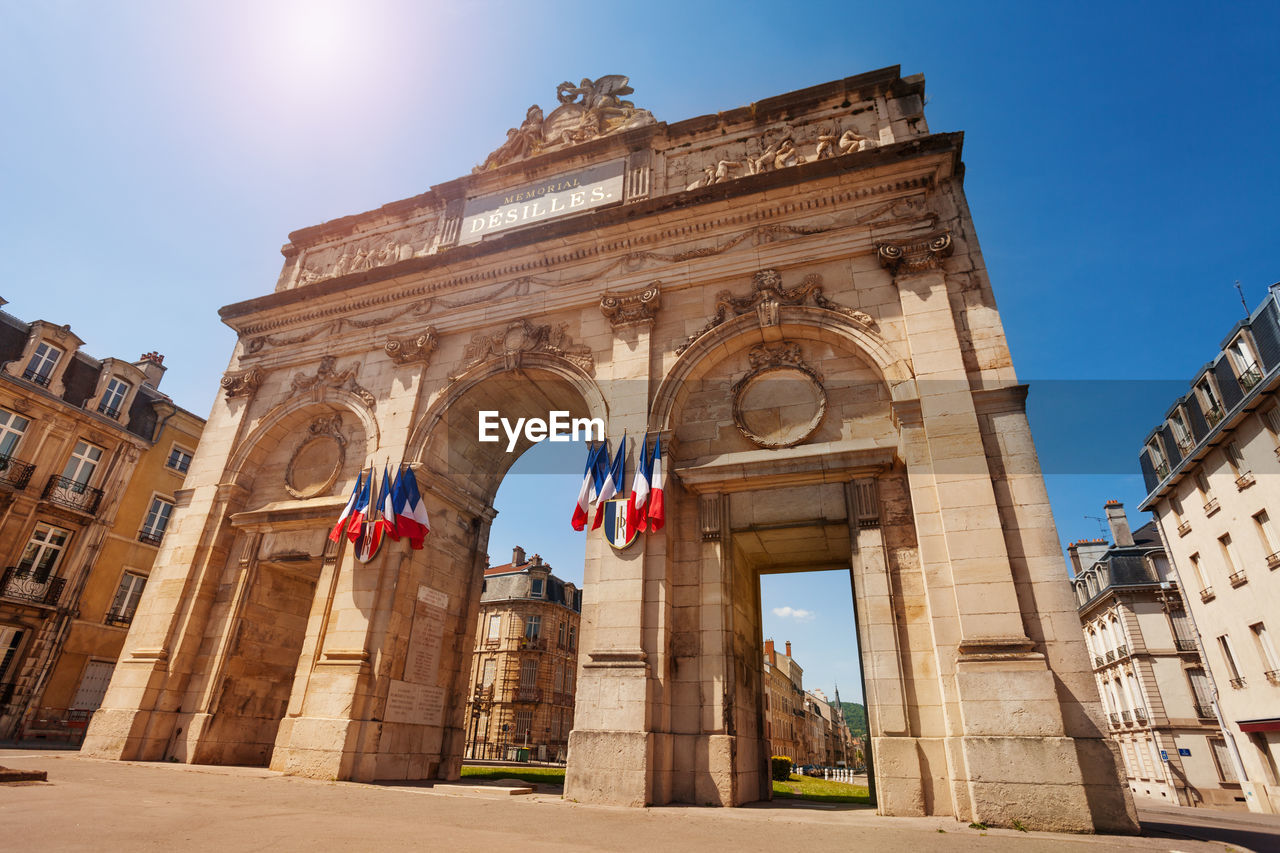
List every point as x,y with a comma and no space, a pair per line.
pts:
1184,528
1185,644
1127,716
1115,721
151,537
1162,470
1211,506
108,411
1204,712
1273,560
1250,377
1245,480
1206,594
529,694
66,492
41,379
1140,715
1238,578
24,585
1214,416
1273,675
1111,655
536,644
1186,445
120,620
15,473
1122,652
1238,682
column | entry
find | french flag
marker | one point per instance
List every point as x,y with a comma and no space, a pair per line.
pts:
338,529
587,492
386,507
612,478
657,511
361,509
637,520
411,516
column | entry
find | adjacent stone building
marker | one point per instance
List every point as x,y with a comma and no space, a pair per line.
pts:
784,705
525,667
676,279
1212,471
92,457
1148,663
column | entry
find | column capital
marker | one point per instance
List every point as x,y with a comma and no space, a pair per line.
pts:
904,257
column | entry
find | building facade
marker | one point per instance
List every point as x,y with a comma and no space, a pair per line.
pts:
84,497
1212,471
525,667
784,706
665,278
1150,674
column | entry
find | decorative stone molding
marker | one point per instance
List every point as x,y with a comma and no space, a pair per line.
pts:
767,298
865,500
781,401
318,459
413,348
327,377
779,149
638,308
242,383
917,255
522,337
709,516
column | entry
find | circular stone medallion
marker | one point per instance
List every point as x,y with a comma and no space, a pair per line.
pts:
314,467
779,406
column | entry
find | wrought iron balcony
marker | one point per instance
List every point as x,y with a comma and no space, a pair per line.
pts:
1238,578
1204,712
1127,716
1245,480
1115,721
151,537
1122,651
15,473
1140,715
108,411
66,492
26,585
1238,683
1250,377
1273,675
41,379
1214,416
529,694
1185,644
120,620
1111,655
1186,445
1162,470
1206,594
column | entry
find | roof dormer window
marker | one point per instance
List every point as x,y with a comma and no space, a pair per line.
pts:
1245,361
1213,411
112,401
1158,460
118,384
1181,434
40,366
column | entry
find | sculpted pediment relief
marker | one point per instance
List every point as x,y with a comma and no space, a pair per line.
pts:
590,110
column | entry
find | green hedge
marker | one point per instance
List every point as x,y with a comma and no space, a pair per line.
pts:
781,765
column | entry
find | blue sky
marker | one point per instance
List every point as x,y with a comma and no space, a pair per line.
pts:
1121,171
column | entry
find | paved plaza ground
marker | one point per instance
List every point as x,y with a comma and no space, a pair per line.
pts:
102,805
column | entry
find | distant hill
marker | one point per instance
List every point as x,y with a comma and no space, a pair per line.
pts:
855,716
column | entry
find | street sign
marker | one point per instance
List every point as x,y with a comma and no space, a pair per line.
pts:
1183,751
1164,756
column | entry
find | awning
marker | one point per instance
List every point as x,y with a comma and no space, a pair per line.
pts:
1271,725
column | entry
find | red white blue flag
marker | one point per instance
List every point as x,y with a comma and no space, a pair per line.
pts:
637,519
386,507
612,481
411,517
360,510
370,529
657,510
587,493
341,527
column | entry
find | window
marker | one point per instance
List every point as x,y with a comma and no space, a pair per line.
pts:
1209,399
1201,691
561,635
1271,420
1183,635
10,640
40,367
528,675
524,722
1134,691
1267,536
1231,559
125,603
12,427
1222,758
532,627
179,459
495,627
535,588
1245,362
573,638
568,679
1202,486
43,551
489,672
1266,650
1234,457
1158,458
113,398
80,467
1224,646
157,520
1196,569
558,678
1181,434
1157,764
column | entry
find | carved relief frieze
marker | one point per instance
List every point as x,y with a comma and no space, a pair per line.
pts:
767,298
364,253
637,308
522,336
326,376
242,383
587,111
318,459
413,348
780,402
915,256
709,517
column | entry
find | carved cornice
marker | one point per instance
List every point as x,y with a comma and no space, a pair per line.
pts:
242,383
915,256
327,377
522,336
637,308
413,348
766,299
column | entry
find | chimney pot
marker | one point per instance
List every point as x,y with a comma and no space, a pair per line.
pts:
517,556
788,648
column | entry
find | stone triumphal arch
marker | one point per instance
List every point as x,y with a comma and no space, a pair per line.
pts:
792,295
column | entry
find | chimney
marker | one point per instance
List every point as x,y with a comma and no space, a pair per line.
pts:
768,650
152,364
788,648
517,556
1076,570
1119,522
537,559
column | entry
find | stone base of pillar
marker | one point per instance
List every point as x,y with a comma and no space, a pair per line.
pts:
125,735
317,748
1051,784
610,767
